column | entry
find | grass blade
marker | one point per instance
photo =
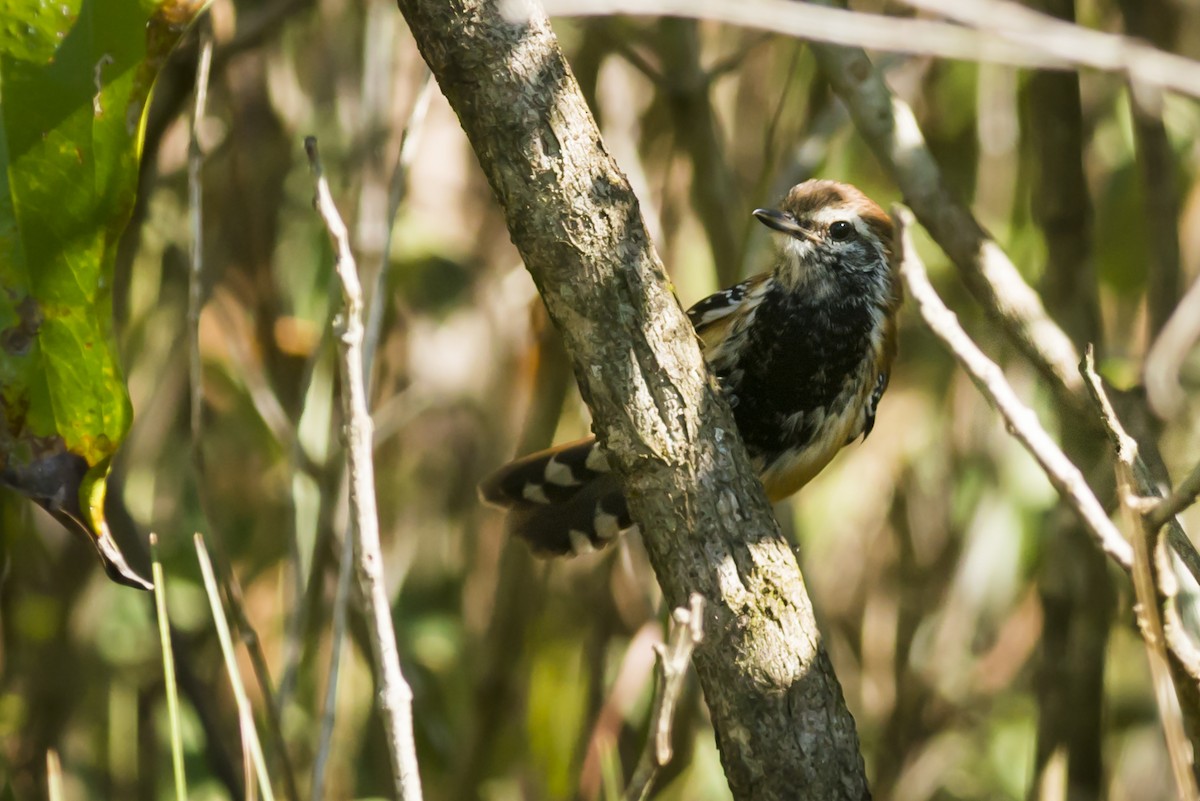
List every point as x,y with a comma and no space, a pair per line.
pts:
250,739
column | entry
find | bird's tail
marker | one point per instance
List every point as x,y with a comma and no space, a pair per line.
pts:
562,500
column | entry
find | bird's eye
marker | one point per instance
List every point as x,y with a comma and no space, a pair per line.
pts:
841,230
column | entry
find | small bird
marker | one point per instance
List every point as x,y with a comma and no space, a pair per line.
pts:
801,353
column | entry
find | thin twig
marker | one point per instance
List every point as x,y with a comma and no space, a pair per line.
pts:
1028,39
196,376
168,658
1073,43
685,633
341,603
1021,420
54,777
1166,356
397,191
1147,540
737,58
196,224
394,693
1180,498
808,21
250,742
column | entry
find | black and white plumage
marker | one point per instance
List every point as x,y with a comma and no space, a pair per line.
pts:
802,353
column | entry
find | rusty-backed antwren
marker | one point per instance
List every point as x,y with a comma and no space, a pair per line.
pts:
801,353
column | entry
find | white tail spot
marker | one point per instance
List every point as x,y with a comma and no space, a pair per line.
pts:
607,527
535,493
558,473
580,543
597,460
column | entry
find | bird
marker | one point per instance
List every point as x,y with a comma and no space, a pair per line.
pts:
802,353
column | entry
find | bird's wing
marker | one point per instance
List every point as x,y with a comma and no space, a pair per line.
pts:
713,316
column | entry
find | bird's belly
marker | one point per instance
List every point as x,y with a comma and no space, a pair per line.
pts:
795,464
794,437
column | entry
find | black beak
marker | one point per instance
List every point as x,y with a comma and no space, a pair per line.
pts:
784,223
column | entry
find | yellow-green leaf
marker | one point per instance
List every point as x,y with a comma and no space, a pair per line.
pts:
74,79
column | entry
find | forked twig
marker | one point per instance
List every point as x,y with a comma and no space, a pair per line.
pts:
1148,546
1022,422
673,657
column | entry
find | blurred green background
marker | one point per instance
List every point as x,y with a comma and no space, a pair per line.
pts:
983,651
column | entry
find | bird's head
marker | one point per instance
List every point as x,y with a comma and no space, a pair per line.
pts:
831,235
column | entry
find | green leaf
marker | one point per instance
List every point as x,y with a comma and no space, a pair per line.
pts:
74,79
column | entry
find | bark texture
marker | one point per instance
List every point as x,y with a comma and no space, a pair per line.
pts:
781,723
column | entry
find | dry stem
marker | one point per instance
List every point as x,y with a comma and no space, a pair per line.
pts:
685,633
394,693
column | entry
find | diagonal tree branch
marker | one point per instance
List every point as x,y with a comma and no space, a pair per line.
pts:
1021,420
1171,652
780,720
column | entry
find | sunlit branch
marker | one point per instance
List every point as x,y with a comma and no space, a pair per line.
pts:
394,694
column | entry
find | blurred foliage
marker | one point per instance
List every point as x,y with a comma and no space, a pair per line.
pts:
922,547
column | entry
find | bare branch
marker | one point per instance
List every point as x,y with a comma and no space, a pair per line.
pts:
1075,44
810,21
1166,356
397,191
1021,420
1003,32
1152,601
1180,498
686,632
394,693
